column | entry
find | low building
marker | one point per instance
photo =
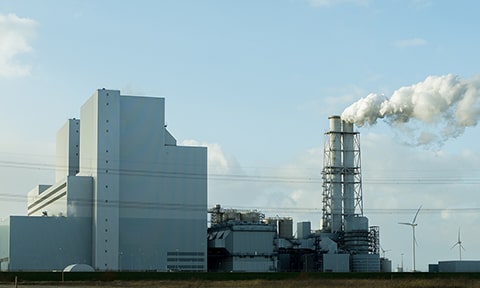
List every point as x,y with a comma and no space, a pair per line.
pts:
455,266
241,241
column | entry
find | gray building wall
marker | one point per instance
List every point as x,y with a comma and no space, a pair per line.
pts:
163,192
365,263
385,265
459,266
67,150
4,244
336,262
161,245
143,183
247,247
100,159
49,243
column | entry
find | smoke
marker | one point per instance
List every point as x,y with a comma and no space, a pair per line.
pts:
429,112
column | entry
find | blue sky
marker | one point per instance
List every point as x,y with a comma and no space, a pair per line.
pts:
255,81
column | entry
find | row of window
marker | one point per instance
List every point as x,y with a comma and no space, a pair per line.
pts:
181,253
185,259
181,267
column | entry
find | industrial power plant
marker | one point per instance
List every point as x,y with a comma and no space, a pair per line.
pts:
242,241
126,197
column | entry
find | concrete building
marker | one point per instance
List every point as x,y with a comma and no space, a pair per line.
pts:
455,266
241,241
126,197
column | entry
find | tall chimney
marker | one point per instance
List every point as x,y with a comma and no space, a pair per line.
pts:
348,170
342,186
335,170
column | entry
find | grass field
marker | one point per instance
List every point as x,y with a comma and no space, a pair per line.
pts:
241,280
298,283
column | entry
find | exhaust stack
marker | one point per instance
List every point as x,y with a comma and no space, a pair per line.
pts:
342,193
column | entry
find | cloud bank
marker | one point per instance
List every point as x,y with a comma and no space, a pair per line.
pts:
15,35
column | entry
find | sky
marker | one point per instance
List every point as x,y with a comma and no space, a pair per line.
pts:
255,82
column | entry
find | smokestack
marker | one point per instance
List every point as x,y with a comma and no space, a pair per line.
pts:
444,105
335,170
349,170
342,195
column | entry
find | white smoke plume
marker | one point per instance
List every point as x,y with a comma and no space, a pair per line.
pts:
432,111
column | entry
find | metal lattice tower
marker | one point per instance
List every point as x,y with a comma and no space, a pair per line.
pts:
342,180
374,240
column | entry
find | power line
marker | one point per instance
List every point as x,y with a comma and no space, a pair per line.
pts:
5,197
397,180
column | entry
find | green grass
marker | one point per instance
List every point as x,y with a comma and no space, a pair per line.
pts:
247,280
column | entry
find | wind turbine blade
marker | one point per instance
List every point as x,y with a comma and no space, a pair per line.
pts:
454,246
416,214
459,235
403,223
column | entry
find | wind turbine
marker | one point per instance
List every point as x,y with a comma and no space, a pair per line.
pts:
460,246
384,251
414,241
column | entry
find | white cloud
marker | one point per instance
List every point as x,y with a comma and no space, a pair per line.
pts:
228,183
218,162
15,35
326,3
413,42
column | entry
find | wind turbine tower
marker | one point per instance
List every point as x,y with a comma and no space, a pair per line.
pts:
414,240
460,246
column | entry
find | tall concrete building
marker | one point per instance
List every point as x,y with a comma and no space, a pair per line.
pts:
126,196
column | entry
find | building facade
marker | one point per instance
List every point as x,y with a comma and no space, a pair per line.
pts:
241,241
126,196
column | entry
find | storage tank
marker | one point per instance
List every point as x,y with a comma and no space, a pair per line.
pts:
304,230
285,228
356,234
